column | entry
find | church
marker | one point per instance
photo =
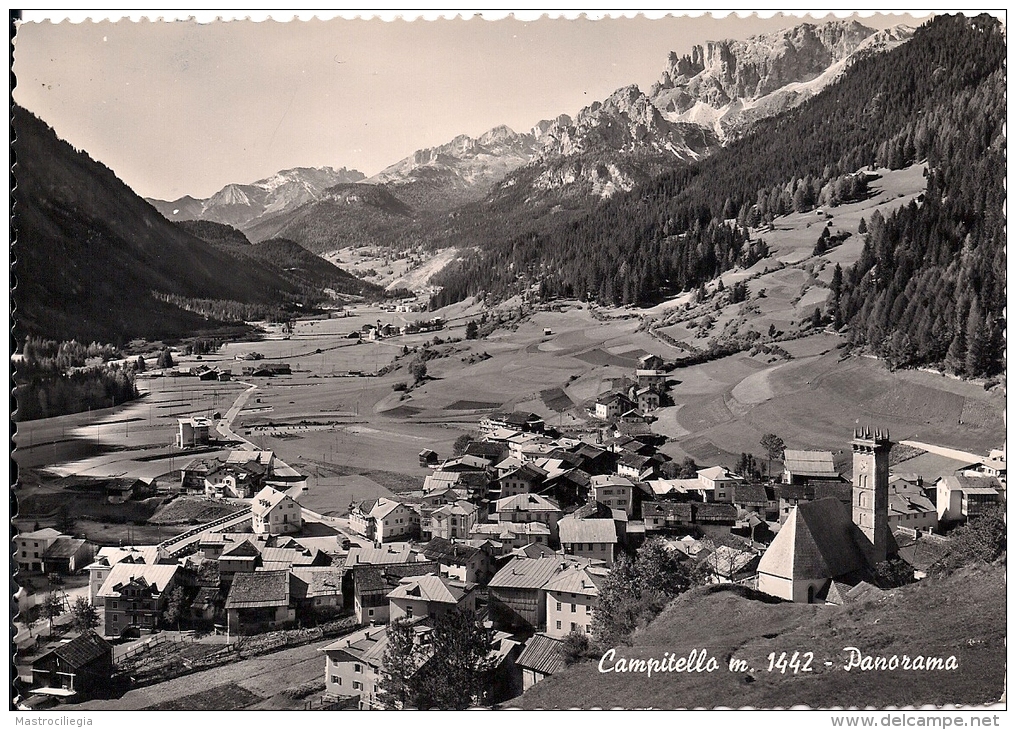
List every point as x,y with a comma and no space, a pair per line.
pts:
822,550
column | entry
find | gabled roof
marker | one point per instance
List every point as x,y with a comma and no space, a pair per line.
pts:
459,508
818,540
810,463
609,480
716,472
533,550
749,493
431,588
663,487
467,461
971,485
509,530
386,554
367,645
46,533
582,580
81,651
261,589
542,654
63,547
245,456
527,502
378,508
110,556
319,581
445,551
266,500
677,511
526,471
241,549
157,576
587,530
524,572
608,398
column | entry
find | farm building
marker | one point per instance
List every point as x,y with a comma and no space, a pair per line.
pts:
77,670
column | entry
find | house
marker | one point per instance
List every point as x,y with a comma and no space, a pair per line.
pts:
194,474
729,564
666,516
119,491
636,466
381,520
679,490
654,379
133,597
572,597
354,665
192,432
510,535
647,400
802,467
464,562
76,670
429,595
318,589
428,457
372,584
489,450
233,481
612,405
260,601
454,521
791,495
910,507
275,513
30,547
752,498
594,538
435,497
613,490
67,555
523,508
107,557
650,362
243,457
541,657
515,421
517,601
960,498
466,462
720,482
522,480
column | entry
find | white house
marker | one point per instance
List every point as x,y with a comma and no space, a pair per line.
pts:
572,597
613,490
275,513
381,520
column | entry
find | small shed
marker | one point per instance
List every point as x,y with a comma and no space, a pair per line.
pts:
428,457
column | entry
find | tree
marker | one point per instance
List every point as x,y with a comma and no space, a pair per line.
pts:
85,617
52,606
636,590
816,318
471,330
418,369
139,364
401,660
459,447
65,522
456,675
774,446
748,467
981,540
165,359
174,607
862,227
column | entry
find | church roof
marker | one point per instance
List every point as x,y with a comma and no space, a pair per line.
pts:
818,540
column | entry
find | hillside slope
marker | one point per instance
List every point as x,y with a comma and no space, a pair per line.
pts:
962,616
90,252
311,273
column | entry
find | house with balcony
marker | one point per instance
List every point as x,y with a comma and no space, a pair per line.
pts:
454,521
260,601
133,598
76,670
429,595
381,520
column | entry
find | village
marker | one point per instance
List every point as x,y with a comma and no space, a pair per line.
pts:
519,529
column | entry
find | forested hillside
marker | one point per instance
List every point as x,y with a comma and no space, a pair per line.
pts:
939,97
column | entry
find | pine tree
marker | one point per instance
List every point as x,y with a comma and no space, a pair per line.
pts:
401,661
976,342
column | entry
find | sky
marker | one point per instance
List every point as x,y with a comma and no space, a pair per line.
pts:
183,108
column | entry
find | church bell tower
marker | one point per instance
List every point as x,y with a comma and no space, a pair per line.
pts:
871,487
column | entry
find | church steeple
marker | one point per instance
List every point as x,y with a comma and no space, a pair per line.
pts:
871,487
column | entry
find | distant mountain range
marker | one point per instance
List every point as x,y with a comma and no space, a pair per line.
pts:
702,100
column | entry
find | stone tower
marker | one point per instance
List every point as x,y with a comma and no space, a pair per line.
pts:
871,487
